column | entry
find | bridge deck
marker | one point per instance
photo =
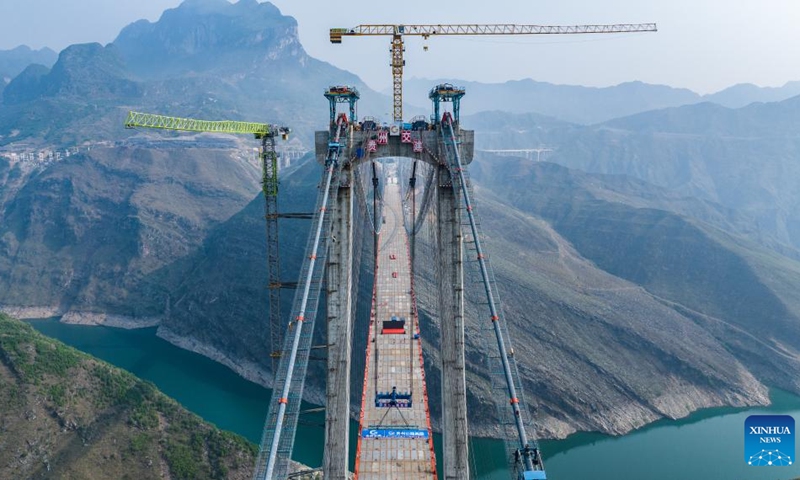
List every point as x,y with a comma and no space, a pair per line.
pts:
394,443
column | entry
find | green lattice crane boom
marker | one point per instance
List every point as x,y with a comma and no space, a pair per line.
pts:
269,185
163,122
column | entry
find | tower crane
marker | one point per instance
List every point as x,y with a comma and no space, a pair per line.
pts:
269,185
397,32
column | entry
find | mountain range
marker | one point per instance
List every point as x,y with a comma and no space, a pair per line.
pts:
590,105
649,267
743,159
14,61
238,61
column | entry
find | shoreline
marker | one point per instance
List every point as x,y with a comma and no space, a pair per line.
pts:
247,370
557,462
78,317
558,430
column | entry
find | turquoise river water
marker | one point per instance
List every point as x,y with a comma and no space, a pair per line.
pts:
707,445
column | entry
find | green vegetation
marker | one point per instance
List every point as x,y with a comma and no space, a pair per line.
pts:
91,420
140,442
182,461
35,357
144,416
57,394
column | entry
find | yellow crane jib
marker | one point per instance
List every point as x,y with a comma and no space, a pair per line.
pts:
428,30
336,34
163,122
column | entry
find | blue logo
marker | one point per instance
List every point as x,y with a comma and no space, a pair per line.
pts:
769,440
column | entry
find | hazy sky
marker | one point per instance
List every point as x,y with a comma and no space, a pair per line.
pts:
704,45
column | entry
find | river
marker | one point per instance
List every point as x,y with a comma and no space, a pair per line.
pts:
707,445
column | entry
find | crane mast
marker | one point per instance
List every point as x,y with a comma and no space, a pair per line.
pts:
269,186
397,32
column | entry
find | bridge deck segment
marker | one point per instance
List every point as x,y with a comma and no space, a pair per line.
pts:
395,442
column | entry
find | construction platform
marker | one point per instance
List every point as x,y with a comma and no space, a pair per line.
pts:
395,440
359,143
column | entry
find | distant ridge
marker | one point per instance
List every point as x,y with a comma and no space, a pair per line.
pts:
591,105
14,61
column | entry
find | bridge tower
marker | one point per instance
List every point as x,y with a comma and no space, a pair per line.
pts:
340,309
450,280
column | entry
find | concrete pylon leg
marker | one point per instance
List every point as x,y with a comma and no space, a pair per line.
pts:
451,308
340,330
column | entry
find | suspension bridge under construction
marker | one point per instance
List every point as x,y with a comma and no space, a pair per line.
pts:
406,185
431,191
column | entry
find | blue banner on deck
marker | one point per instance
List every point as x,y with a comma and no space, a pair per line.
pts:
391,433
